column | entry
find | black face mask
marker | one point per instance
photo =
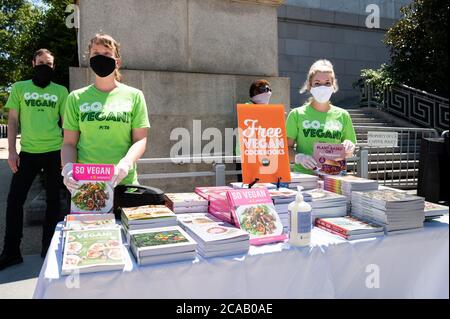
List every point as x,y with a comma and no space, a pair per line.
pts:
43,75
102,65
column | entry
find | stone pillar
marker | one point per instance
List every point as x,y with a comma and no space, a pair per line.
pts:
193,59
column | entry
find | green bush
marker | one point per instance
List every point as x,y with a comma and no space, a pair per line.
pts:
418,48
381,78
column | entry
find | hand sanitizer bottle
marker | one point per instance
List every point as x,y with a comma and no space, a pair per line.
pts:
300,221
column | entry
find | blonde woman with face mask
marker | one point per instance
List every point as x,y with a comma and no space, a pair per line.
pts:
318,121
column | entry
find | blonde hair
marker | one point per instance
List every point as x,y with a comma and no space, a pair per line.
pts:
108,42
324,66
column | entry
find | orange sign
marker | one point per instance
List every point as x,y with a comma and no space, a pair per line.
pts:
263,142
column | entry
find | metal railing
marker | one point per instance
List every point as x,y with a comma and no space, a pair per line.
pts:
396,166
3,131
416,106
219,171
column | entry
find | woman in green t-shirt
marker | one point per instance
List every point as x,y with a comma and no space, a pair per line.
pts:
105,122
318,121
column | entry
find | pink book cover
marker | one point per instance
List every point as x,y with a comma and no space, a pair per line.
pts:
206,191
220,207
222,210
223,216
254,212
96,193
330,158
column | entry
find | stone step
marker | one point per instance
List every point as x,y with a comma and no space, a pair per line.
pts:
362,115
389,165
373,124
390,174
389,157
366,119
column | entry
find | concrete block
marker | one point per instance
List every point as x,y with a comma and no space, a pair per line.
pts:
321,50
281,46
320,15
371,37
355,67
187,35
298,13
345,18
281,11
340,5
297,47
344,51
220,31
346,81
309,32
372,54
332,34
287,30
304,64
288,62
296,78
148,39
339,66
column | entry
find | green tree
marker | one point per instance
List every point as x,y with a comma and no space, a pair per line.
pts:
418,45
20,26
26,27
59,39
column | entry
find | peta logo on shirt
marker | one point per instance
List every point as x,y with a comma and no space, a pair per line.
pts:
40,100
115,112
331,129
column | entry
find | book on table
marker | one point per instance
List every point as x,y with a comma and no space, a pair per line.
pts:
325,203
433,210
307,181
186,203
89,221
237,185
396,211
92,250
148,216
254,212
214,237
218,204
350,227
160,245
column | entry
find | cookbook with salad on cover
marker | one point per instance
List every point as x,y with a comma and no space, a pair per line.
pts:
254,212
96,192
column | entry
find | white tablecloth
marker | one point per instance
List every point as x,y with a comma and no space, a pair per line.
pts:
412,265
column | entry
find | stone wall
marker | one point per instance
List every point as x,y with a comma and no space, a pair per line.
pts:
336,30
176,99
208,36
193,59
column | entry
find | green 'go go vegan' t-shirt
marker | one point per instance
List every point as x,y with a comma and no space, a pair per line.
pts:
308,126
39,111
105,121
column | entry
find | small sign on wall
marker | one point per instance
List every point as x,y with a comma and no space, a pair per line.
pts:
382,139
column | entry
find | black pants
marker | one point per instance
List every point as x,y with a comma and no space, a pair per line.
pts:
30,165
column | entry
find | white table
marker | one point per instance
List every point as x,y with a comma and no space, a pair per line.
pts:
413,265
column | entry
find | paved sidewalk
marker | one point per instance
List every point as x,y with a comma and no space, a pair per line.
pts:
31,243
18,282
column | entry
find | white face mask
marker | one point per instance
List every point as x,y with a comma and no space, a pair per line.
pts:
262,98
322,93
